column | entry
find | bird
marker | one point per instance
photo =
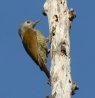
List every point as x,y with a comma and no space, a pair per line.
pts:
35,44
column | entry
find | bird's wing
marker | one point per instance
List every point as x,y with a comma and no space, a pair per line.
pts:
30,44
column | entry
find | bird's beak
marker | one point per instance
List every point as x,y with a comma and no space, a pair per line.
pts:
35,23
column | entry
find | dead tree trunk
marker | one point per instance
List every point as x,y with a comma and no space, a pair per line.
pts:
60,18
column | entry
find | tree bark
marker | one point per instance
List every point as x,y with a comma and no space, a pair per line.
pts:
59,26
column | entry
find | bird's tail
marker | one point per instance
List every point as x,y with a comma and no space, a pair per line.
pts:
46,71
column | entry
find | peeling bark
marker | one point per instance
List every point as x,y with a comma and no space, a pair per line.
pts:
60,18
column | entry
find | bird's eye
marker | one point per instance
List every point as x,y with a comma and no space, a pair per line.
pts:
28,21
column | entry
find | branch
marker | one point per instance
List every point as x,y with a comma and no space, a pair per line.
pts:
60,19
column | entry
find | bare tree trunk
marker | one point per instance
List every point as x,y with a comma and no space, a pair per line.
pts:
60,18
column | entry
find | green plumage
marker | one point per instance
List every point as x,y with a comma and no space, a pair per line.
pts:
35,44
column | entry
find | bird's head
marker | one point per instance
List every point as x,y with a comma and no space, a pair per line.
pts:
25,26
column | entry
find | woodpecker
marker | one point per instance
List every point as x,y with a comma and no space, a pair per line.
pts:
35,44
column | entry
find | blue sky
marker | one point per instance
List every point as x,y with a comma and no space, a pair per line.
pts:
19,75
